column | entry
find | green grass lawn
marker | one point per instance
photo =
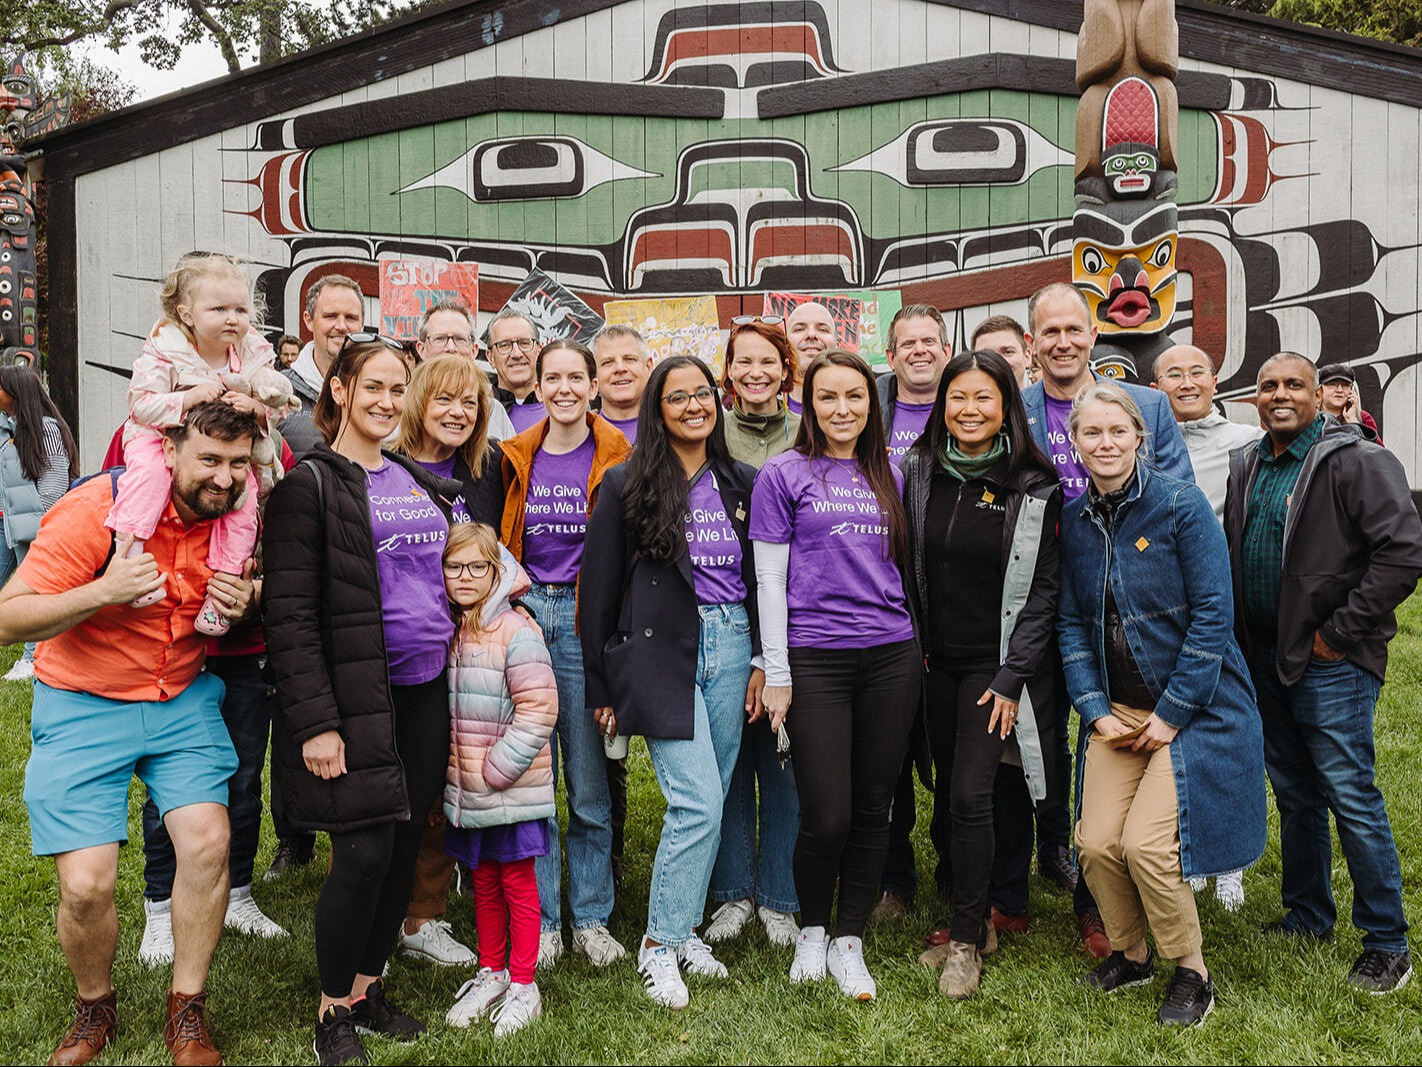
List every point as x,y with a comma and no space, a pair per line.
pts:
1277,1002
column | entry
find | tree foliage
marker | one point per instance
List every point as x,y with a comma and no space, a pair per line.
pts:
1399,21
242,30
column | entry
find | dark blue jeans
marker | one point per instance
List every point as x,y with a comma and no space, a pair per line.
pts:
1318,750
247,710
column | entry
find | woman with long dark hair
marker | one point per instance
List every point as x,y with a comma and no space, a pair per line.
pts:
668,595
753,871
982,505
830,534
552,473
359,630
38,460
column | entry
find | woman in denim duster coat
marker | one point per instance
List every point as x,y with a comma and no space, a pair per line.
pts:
1167,563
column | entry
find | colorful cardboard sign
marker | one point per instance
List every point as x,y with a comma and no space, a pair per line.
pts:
556,309
680,326
410,287
861,317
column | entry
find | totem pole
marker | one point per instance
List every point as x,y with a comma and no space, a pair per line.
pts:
1126,225
19,326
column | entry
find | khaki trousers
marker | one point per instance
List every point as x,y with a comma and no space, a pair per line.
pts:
1129,839
433,872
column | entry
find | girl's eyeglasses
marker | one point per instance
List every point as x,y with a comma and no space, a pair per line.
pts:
477,569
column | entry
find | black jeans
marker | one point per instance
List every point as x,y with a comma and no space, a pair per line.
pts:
363,901
967,758
247,709
849,728
900,873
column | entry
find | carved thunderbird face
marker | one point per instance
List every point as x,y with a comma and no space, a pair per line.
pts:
1126,267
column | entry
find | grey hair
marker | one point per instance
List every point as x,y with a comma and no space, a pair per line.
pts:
513,313
613,330
917,311
447,305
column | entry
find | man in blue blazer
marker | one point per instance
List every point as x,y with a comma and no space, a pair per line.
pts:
1062,335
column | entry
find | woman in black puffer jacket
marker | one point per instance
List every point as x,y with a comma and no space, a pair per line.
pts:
363,736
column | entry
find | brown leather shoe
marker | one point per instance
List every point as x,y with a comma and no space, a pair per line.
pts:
1094,941
941,936
186,1033
1008,924
95,1023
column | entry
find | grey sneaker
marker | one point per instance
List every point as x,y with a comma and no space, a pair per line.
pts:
1379,972
598,944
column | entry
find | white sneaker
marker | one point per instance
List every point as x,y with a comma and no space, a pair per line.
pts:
434,941
729,920
845,962
809,962
477,996
520,1006
156,948
245,917
22,671
780,927
662,976
600,947
1229,888
550,948
695,955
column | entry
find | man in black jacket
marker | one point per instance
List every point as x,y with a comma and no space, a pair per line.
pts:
1324,544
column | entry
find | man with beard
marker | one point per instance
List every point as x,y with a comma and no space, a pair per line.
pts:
120,691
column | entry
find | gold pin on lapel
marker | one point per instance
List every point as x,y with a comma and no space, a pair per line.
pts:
989,496
740,512
1142,544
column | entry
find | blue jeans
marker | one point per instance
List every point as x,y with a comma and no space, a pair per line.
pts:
247,710
577,748
738,874
695,775
1318,750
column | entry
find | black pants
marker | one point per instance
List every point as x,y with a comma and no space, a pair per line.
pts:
849,728
1054,810
900,874
967,758
362,903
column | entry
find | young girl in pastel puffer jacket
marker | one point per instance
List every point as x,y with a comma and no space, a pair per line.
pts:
503,703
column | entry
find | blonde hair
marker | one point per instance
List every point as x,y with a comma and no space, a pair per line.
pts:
482,536
195,267
454,374
1104,392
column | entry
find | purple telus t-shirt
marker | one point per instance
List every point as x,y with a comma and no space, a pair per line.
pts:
410,531
1065,458
557,514
792,401
627,426
525,415
909,421
715,549
445,469
844,590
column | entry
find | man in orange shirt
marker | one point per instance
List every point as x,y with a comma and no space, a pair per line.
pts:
120,691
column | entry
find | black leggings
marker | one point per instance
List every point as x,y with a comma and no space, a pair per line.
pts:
849,724
363,900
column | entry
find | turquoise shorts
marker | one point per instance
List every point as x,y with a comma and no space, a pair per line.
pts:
86,750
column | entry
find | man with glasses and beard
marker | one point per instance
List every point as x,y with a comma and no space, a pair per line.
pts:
120,691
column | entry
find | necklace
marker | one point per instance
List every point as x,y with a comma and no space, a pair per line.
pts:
849,466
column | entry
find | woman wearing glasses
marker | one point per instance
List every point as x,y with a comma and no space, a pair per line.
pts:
760,371
830,536
668,595
363,735
551,474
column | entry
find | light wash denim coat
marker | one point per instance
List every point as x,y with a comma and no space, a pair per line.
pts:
1168,565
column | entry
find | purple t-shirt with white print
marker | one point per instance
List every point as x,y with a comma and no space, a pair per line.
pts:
445,469
556,514
714,547
525,415
843,589
627,426
1065,458
410,531
909,421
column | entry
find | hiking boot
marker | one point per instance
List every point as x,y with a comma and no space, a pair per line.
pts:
729,920
186,1031
477,996
1379,972
657,965
962,970
95,1023
845,963
435,941
1118,972
1188,999
336,1039
373,1014
1094,941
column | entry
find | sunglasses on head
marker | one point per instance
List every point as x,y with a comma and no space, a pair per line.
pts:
746,320
365,337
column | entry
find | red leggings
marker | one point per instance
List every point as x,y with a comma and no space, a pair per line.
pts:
506,898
